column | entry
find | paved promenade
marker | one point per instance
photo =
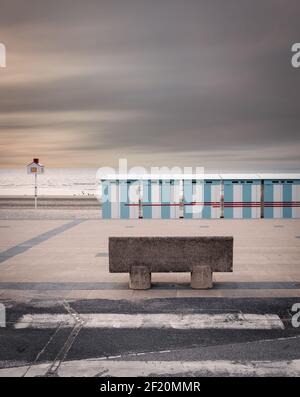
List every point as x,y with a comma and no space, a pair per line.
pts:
64,255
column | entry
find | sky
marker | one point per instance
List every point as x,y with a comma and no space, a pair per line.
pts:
158,82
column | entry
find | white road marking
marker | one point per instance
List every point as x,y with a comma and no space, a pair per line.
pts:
95,367
155,320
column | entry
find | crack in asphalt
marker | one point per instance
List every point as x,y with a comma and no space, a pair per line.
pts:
54,366
42,351
79,322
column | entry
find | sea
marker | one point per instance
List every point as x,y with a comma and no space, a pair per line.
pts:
54,182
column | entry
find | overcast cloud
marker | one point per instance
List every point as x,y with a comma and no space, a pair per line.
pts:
160,82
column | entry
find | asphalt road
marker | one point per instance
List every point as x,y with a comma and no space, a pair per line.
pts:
46,346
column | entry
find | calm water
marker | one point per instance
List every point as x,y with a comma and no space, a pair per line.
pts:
55,181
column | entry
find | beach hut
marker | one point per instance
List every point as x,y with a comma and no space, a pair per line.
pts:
211,196
120,198
181,196
202,197
161,196
140,196
241,196
208,196
280,195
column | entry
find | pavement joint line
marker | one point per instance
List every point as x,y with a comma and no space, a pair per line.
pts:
156,286
26,245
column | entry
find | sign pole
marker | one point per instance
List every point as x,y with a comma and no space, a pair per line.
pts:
35,191
35,168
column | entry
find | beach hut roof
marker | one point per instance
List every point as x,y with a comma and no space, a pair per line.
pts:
281,176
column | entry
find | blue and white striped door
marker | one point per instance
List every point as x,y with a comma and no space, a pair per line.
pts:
123,194
156,199
114,199
277,200
287,199
174,199
251,199
228,200
268,199
296,199
215,207
273,199
134,196
256,200
188,198
281,199
198,199
241,199
165,199
146,200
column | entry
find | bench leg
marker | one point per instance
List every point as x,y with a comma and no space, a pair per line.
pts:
139,277
201,277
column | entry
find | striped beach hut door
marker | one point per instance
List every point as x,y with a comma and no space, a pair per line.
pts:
110,199
198,199
124,201
281,199
188,199
146,200
241,199
133,198
114,199
296,199
156,199
251,199
212,198
175,199
165,199
228,200
151,200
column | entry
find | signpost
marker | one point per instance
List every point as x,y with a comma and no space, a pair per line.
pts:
35,168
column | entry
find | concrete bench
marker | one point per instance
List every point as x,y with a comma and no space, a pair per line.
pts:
141,256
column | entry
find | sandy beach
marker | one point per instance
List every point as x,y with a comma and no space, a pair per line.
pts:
49,207
50,202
